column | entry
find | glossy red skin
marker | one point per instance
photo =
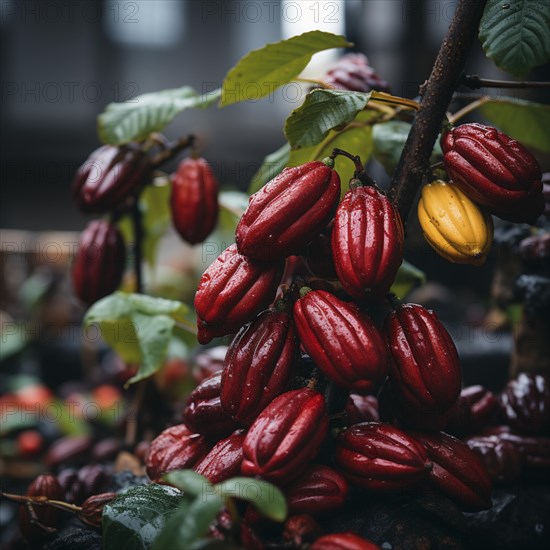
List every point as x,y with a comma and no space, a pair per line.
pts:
232,291
194,200
361,408
526,404
319,489
501,459
224,460
424,364
457,471
288,212
109,176
343,343
46,486
343,541
367,242
495,171
176,448
258,365
204,413
474,409
286,436
380,457
92,508
99,262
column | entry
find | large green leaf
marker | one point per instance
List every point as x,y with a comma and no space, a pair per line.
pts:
267,498
355,138
321,112
514,34
138,327
134,519
136,118
186,527
526,121
271,166
189,482
262,71
389,140
408,277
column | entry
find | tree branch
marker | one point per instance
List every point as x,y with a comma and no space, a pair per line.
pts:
437,94
475,82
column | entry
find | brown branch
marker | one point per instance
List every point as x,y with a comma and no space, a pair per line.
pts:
475,82
437,94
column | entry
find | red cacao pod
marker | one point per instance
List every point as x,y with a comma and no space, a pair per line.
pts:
69,449
204,413
526,404
380,457
92,508
474,409
175,448
367,241
343,343
501,458
43,486
495,171
99,263
258,365
457,471
534,450
109,176
232,291
319,489
343,541
361,408
288,211
424,365
353,72
208,362
300,530
286,436
224,460
194,200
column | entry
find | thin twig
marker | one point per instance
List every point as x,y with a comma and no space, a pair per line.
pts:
475,82
453,119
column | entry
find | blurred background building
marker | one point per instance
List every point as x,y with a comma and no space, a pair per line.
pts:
63,61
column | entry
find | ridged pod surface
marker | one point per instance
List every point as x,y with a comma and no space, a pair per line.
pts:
109,176
232,291
344,343
100,261
380,457
367,241
424,365
286,436
258,365
343,541
288,212
457,471
495,171
194,200
453,225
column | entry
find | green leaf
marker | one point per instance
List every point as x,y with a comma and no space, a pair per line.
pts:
136,118
232,205
189,524
262,71
389,140
134,519
408,278
322,111
526,121
515,34
355,138
138,327
189,482
265,497
271,166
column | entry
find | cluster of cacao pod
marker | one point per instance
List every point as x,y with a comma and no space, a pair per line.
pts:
110,182
490,174
308,355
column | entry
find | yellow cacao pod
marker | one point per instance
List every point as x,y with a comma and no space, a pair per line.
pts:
455,227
